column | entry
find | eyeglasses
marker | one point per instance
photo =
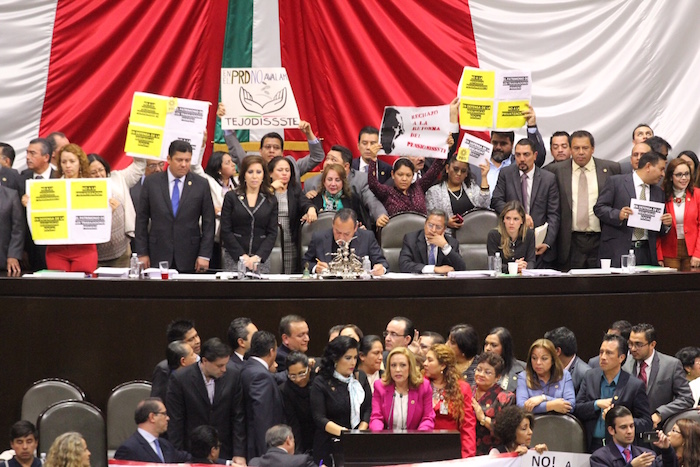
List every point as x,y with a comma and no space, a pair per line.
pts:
298,376
392,334
484,372
432,226
683,175
276,147
459,170
156,165
160,413
636,345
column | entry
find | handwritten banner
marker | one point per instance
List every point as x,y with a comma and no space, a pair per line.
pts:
416,131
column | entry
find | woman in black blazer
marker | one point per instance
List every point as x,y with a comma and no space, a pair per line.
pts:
249,217
335,192
512,238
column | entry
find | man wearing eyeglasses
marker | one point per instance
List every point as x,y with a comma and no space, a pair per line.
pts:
399,333
666,385
429,251
146,445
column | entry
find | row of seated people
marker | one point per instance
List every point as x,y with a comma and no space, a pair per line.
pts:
425,385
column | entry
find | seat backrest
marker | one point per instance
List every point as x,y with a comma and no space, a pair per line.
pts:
79,416
472,237
277,254
45,392
391,236
560,432
120,410
691,414
324,222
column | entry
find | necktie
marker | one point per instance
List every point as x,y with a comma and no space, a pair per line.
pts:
523,186
642,373
431,256
158,450
582,201
39,177
367,169
628,454
176,196
639,233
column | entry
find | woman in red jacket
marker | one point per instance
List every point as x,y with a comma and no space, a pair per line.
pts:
680,248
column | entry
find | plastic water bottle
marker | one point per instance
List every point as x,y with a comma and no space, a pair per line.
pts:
367,266
241,268
134,266
498,263
631,262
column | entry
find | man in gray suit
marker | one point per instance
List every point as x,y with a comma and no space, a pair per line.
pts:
666,385
537,190
12,225
580,181
564,341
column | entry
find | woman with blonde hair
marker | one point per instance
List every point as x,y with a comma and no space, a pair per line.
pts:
545,386
68,450
402,398
451,397
512,239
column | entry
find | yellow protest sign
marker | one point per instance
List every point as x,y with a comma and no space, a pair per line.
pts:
89,194
48,194
145,141
475,113
49,225
148,109
510,114
477,83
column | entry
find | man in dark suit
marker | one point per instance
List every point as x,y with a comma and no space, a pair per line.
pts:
622,451
580,181
208,393
609,386
663,376
12,225
294,332
146,445
9,177
178,330
429,251
537,191
174,202
240,332
261,395
621,328
564,341
280,450
613,210
345,229
629,166
369,135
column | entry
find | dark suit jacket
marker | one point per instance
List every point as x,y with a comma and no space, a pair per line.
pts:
159,380
189,407
383,169
322,245
578,370
629,392
667,388
616,236
563,173
12,225
35,253
414,253
278,457
610,456
10,178
177,239
263,404
135,192
236,231
544,201
136,448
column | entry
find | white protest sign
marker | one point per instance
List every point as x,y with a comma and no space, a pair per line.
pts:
416,131
647,215
513,85
529,459
257,98
479,150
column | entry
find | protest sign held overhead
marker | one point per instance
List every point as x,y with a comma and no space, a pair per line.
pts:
415,131
474,150
257,98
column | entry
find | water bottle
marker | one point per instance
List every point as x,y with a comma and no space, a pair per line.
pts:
631,262
134,266
367,266
241,267
498,263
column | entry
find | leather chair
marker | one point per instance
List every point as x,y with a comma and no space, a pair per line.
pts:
324,222
391,236
120,411
472,237
45,392
560,432
79,416
277,254
691,414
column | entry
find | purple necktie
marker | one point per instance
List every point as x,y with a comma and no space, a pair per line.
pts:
523,185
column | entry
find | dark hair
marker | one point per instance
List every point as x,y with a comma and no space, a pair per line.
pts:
292,175
145,408
295,357
507,421
237,330
466,338
438,213
202,440
621,343
559,133
214,164
345,214
436,336
652,157
469,179
265,187
369,130
214,349
261,343
285,327
656,143
668,178
641,125
174,353
92,157
177,329
51,138
623,327
272,135
508,134
528,143
564,338
687,355
409,328
7,151
23,428
335,329
46,149
582,134
345,153
403,162
277,435
367,342
333,352
506,341
618,411
493,359
355,328
647,329
690,155
179,146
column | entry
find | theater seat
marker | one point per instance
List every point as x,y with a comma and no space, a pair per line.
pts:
324,222
691,414
79,416
277,254
391,236
120,411
45,392
472,237
560,432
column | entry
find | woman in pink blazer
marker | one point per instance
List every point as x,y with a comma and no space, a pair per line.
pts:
680,247
402,399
